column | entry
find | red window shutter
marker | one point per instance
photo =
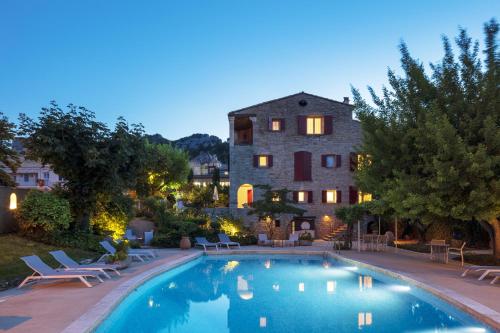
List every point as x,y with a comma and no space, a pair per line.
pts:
338,161
323,196
270,161
353,195
328,124
353,161
282,124
307,166
339,196
309,196
302,125
298,165
295,196
255,161
323,161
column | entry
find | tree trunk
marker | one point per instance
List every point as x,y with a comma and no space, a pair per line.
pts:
495,239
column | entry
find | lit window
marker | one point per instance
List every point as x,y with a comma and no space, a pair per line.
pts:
263,161
330,161
276,125
331,196
301,287
13,201
314,125
364,197
276,197
301,196
196,183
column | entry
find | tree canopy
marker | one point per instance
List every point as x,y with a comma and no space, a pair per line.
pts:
433,141
8,156
90,157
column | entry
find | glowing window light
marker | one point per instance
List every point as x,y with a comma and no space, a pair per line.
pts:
263,321
364,319
301,287
330,286
13,201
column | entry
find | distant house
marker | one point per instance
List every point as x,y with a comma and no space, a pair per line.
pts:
204,166
32,174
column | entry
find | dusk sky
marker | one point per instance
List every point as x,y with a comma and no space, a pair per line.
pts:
178,67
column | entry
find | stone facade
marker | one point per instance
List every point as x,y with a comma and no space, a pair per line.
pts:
346,135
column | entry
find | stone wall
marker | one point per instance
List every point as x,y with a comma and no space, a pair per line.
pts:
282,145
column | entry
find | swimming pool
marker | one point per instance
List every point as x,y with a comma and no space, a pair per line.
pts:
282,293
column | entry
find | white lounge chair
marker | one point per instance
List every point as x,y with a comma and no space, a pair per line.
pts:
71,265
148,237
496,277
292,239
42,271
129,235
225,240
485,269
202,241
457,251
263,240
111,251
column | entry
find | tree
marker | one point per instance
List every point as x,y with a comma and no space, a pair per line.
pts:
350,215
8,156
165,169
271,205
91,158
433,140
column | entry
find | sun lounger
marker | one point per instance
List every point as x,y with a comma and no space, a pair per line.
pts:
202,241
69,264
225,240
263,240
130,235
496,277
485,269
111,251
42,271
292,239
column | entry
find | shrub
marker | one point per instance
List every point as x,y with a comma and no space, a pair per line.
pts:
112,215
230,225
43,212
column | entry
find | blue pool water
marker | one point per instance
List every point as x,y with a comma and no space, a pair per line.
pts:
277,294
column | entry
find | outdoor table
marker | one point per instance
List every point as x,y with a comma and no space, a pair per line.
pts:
439,250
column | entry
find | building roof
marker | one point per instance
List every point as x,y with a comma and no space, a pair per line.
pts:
289,96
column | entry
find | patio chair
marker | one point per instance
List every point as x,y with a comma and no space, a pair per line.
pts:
486,270
71,265
42,271
436,242
263,240
225,240
292,239
457,251
202,241
129,235
496,277
111,251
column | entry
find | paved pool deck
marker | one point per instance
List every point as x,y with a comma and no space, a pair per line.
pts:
71,307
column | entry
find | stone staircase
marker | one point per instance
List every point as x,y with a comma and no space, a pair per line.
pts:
338,231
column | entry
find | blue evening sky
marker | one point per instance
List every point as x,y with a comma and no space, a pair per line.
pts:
178,67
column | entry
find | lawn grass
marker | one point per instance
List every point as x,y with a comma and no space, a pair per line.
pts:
13,269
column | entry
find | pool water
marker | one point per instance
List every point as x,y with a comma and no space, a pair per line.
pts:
270,293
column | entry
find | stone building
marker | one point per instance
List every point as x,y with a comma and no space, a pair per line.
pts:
204,166
301,142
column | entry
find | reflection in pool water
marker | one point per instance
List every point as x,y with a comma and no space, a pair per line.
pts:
281,294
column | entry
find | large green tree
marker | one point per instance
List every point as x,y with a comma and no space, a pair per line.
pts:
91,158
433,141
165,169
9,160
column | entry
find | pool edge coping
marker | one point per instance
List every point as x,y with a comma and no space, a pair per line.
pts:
94,316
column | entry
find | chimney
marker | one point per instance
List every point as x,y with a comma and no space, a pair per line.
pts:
346,100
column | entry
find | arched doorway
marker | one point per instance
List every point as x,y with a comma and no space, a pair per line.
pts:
245,195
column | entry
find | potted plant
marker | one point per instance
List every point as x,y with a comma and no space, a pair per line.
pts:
121,257
185,229
305,239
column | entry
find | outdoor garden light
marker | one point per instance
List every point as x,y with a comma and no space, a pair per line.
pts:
13,201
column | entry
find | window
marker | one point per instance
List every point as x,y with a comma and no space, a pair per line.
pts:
364,197
262,161
314,125
26,177
303,196
46,175
302,166
276,125
332,196
60,178
331,161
